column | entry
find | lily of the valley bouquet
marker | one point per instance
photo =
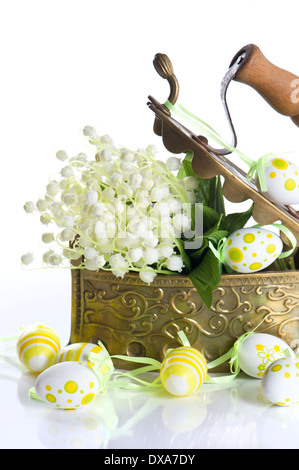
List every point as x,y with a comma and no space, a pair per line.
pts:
130,211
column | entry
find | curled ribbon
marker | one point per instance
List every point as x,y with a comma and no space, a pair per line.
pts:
256,168
289,235
130,380
233,354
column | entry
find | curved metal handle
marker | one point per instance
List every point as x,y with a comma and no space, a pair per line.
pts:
164,68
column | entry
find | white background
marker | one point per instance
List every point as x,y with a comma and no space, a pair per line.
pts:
69,63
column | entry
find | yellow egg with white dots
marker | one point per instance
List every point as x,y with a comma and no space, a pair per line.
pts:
183,371
37,347
249,250
282,181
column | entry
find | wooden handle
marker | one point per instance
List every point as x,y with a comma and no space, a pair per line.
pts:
277,86
164,68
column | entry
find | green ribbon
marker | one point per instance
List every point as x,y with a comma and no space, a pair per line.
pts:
256,168
218,252
32,394
233,354
130,380
5,339
289,235
199,124
98,363
184,340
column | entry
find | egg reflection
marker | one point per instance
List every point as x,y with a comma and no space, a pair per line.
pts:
71,429
278,428
181,415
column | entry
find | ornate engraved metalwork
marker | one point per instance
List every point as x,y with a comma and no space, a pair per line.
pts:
135,319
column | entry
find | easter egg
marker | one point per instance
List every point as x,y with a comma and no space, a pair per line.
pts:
282,180
80,352
249,250
83,430
183,371
182,416
67,385
37,347
280,382
258,351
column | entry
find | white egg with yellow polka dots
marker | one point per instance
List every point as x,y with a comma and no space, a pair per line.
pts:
249,250
282,180
67,385
280,382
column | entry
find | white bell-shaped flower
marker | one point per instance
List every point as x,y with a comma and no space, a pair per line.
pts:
147,275
175,263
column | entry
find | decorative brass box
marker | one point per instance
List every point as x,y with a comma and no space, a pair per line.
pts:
135,319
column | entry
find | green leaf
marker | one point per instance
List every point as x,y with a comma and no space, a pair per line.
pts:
210,218
186,168
235,221
216,200
196,256
205,294
216,235
204,192
206,277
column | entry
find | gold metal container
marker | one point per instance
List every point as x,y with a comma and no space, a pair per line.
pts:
135,319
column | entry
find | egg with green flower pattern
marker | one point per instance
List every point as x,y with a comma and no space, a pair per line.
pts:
249,250
282,180
258,350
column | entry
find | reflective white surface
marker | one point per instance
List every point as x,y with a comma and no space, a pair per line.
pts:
235,415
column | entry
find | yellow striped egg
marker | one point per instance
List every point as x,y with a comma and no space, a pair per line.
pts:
183,371
249,250
37,347
282,180
79,352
